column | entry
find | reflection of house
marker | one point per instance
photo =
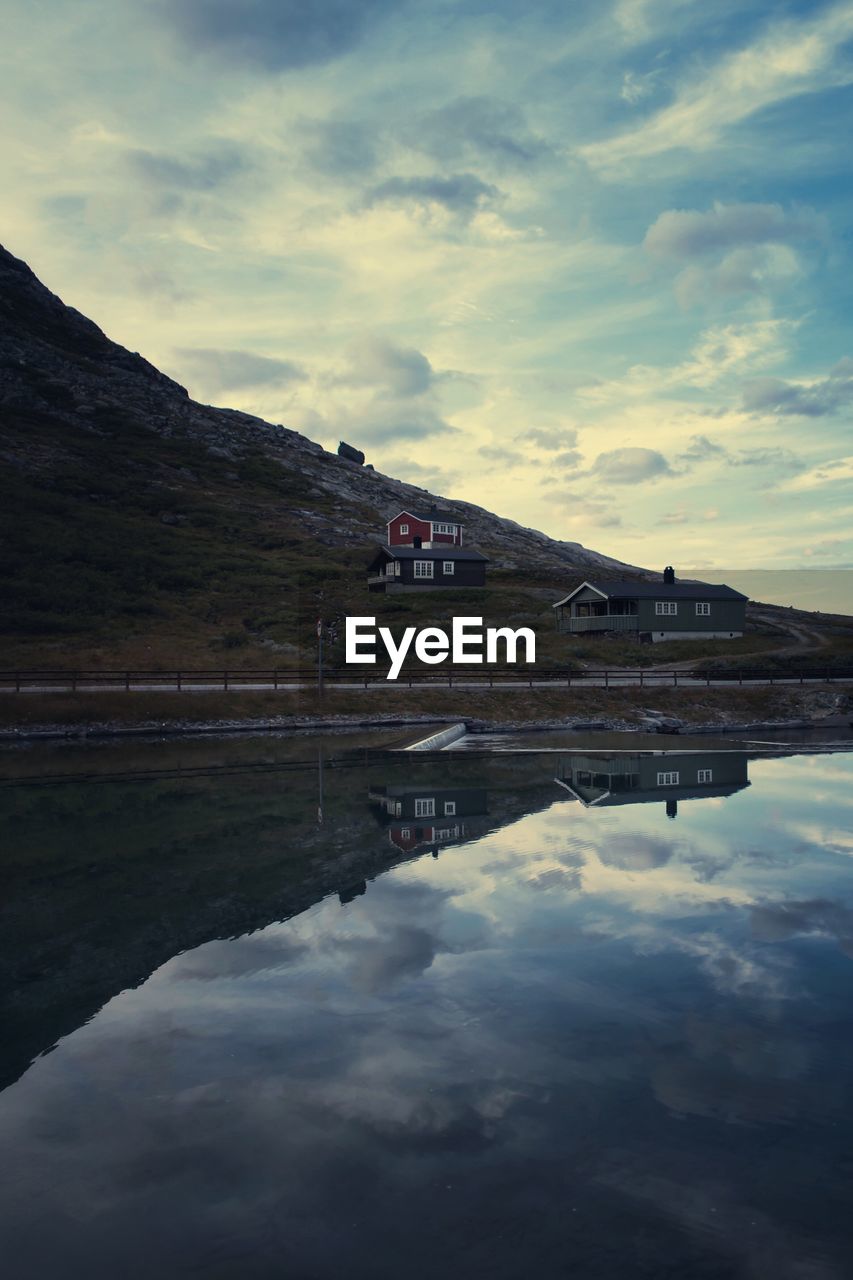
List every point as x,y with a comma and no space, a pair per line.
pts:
427,816
667,776
666,610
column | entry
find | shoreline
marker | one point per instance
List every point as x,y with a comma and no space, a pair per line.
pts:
666,726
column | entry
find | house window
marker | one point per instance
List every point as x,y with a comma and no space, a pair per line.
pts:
405,833
705,775
703,609
423,568
666,606
668,779
404,528
425,808
444,528
449,567
450,808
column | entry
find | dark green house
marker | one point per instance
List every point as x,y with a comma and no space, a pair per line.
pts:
664,610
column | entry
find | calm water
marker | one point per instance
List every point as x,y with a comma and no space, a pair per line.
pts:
312,1011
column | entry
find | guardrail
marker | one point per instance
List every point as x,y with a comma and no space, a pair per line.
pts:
203,679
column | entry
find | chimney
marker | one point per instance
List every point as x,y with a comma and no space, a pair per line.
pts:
669,574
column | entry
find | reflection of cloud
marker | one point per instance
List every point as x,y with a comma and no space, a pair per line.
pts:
378,963
635,852
778,921
236,957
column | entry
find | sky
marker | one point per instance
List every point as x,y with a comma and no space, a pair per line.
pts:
585,265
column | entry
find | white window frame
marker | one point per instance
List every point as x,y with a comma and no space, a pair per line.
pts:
424,569
705,775
449,567
669,778
444,528
405,833
450,808
425,807
703,609
669,608
404,528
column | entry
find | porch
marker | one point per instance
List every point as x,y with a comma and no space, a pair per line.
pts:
579,617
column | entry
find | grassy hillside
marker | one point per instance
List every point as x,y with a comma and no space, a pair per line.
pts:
139,528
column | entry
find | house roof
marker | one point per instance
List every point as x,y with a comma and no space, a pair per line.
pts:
433,553
658,591
443,517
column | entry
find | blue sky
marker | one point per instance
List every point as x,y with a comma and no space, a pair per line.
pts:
585,265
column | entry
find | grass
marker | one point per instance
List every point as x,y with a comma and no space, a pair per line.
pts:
121,549
618,652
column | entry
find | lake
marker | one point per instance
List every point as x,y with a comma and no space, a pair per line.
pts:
308,1008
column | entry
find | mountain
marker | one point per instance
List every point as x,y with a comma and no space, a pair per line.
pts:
140,525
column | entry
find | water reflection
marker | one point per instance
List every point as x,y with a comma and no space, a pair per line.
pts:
625,778
423,817
583,1041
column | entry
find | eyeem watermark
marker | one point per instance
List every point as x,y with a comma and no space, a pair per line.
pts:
468,642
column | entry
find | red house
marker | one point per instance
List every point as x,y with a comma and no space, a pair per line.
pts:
433,529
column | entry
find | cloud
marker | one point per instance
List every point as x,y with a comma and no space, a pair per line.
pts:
701,449
552,437
835,471
826,547
494,453
686,233
382,422
340,148
275,35
569,458
789,59
399,371
719,353
218,369
636,87
755,240
201,172
474,127
817,398
630,465
462,194
767,457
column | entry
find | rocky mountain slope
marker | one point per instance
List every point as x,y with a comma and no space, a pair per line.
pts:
132,510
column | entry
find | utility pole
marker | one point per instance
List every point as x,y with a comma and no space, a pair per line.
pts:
320,659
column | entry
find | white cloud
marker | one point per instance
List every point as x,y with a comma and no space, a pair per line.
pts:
835,471
788,60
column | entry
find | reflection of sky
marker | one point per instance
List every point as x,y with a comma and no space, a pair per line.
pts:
599,1034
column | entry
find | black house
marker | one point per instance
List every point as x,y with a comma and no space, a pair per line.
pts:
397,569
